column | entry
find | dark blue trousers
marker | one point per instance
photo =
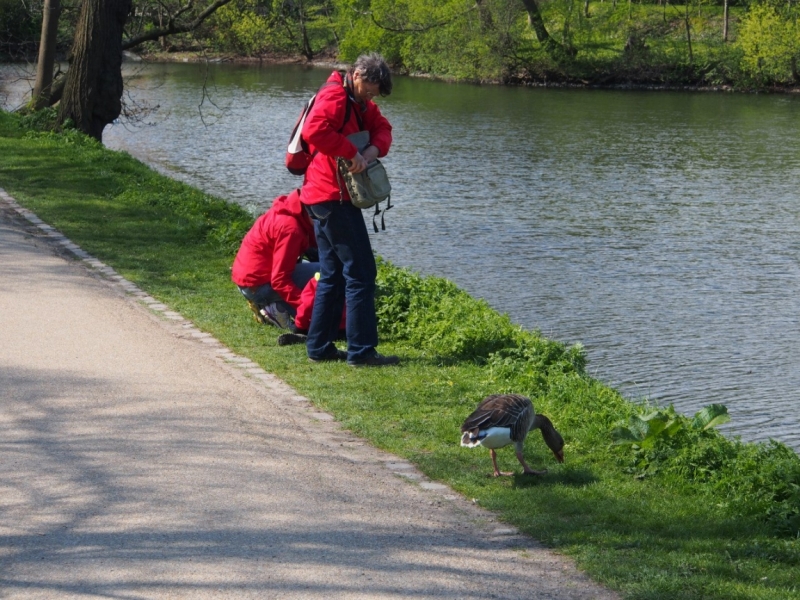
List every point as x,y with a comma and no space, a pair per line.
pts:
347,275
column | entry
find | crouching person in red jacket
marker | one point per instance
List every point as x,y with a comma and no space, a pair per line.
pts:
267,268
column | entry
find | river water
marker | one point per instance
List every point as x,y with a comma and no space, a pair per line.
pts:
659,229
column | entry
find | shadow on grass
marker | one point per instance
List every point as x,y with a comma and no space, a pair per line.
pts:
64,177
572,478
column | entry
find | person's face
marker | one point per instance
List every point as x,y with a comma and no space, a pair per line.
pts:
364,90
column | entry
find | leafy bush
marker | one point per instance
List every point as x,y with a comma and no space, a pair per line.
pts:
644,432
770,45
256,27
446,323
531,364
68,136
361,35
759,480
40,120
438,318
242,30
763,480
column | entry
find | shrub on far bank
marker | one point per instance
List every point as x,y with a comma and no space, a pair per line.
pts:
770,45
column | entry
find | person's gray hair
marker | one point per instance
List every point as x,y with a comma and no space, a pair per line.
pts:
374,69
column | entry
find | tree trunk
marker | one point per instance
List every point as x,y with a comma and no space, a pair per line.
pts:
47,55
725,21
689,34
304,41
485,15
92,95
307,51
535,20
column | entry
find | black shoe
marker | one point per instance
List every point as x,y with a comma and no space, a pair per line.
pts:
287,339
376,360
333,356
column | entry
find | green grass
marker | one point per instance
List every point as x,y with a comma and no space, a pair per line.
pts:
694,516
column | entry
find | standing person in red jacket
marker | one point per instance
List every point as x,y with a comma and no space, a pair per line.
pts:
266,268
347,265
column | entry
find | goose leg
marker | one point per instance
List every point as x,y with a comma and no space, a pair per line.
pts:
497,472
525,468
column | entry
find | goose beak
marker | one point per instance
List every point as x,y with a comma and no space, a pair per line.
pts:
559,455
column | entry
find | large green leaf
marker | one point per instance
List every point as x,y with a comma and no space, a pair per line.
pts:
711,416
627,435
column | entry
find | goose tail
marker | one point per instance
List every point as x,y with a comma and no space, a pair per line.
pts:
470,439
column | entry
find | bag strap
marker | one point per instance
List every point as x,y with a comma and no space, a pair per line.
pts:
352,99
348,109
382,213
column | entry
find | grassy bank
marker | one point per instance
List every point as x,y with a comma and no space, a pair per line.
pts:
683,513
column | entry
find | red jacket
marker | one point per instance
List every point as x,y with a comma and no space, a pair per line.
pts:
320,130
270,250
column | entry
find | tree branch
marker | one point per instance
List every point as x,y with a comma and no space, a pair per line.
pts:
173,28
422,28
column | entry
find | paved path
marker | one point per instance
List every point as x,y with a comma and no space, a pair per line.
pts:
139,458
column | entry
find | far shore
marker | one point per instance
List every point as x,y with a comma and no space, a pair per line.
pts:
328,61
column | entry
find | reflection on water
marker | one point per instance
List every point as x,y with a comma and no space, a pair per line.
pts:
658,229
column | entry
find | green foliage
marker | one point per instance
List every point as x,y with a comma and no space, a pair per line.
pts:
764,480
770,45
67,136
492,40
19,28
40,120
362,36
438,318
532,363
711,416
244,31
759,480
257,27
453,38
644,431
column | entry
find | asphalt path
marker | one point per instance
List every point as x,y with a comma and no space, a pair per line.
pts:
140,458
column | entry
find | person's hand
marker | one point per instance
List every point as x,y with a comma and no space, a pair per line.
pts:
357,164
370,154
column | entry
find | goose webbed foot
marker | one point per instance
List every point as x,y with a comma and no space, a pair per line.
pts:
501,474
534,472
526,470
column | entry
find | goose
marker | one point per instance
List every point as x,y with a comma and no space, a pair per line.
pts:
503,419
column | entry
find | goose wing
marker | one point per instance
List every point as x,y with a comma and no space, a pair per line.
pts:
502,410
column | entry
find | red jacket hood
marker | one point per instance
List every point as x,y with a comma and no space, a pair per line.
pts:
291,206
